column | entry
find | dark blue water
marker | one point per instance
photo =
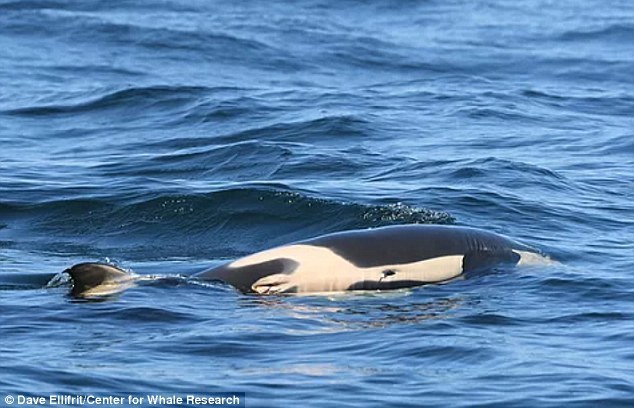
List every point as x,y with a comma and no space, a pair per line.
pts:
170,136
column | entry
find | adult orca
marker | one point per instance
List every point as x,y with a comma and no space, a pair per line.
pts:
384,258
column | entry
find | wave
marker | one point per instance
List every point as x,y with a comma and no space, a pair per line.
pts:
97,28
133,97
613,33
588,102
222,223
32,5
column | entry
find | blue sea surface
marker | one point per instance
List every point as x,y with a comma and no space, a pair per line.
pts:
171,136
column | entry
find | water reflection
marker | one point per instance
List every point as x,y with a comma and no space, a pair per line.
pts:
353,311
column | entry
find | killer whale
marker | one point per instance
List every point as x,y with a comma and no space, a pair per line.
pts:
383,258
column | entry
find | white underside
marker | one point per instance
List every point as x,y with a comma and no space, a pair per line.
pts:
321,270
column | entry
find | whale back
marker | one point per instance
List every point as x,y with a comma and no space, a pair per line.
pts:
412,243
382,258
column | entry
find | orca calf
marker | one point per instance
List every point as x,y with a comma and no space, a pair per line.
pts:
373,259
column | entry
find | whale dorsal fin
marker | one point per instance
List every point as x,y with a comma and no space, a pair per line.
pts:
97,279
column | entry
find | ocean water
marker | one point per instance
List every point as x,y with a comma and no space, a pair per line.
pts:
170,136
